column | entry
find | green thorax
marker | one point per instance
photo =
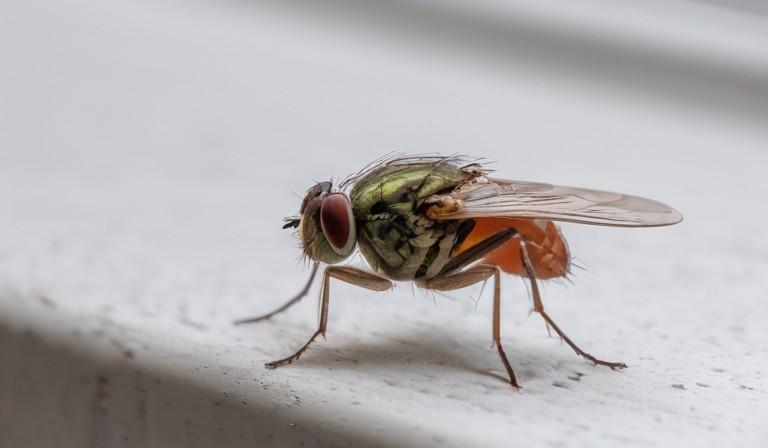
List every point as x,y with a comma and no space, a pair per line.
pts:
394,235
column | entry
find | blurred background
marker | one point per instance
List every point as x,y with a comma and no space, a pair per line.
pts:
150,149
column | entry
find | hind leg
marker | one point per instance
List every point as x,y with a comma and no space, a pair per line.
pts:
538,306
470,276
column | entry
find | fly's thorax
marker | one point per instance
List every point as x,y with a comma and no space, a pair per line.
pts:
327,228
401,251
400,189
395,236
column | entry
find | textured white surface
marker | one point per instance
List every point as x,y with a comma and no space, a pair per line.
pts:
148,153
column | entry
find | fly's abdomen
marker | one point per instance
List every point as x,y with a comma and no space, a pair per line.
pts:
547,249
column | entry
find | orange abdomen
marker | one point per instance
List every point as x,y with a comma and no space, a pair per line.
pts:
546,247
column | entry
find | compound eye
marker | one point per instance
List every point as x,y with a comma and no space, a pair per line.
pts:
338,223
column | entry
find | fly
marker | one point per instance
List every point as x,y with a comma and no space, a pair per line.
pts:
445,224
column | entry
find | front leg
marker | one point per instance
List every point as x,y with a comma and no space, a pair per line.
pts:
354,276
287,304
470,276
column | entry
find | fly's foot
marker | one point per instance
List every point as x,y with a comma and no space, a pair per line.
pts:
275,364
281,362
600,362
505,361
295,356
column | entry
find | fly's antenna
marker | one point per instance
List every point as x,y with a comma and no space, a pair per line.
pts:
291,222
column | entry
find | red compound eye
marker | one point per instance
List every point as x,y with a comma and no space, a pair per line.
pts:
338,223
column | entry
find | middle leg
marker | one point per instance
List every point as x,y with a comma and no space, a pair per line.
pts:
470,276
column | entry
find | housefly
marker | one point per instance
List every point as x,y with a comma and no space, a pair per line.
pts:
445,223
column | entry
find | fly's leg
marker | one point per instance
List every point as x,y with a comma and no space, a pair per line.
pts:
354,276
287,304
478,251
470,276
538,307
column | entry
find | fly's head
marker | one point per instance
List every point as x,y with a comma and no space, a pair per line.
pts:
327,228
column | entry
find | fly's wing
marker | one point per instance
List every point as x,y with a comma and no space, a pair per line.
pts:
488,197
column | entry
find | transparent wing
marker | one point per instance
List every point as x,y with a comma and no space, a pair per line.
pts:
488,197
